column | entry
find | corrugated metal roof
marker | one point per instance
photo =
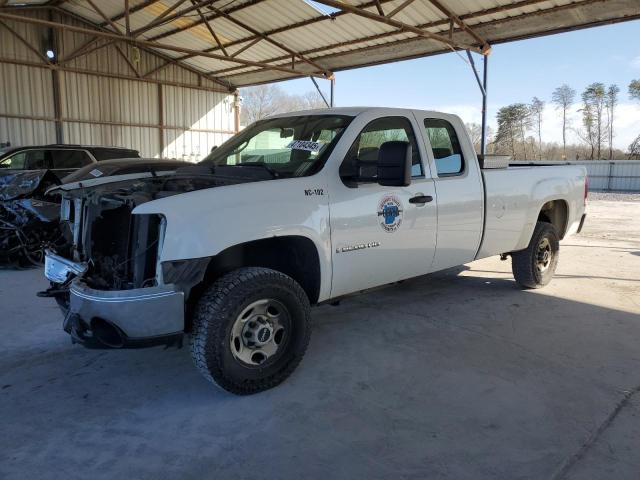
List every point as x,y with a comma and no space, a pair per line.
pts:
343,39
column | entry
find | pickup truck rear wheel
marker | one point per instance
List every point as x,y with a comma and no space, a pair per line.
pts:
251,328
534,267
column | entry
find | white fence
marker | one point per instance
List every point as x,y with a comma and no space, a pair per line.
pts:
608,175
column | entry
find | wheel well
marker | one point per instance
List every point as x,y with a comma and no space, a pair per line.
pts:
555,212
294,256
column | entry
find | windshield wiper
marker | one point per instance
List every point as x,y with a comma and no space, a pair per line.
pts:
273,173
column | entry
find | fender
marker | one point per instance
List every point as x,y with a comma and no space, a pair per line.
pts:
203,223
554,188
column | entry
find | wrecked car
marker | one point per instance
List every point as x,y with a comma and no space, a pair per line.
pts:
29,218
295,210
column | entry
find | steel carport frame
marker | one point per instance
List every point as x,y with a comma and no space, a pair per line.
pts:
247,42
237,43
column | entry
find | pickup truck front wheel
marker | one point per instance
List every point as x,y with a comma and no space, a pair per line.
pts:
251,328
534,267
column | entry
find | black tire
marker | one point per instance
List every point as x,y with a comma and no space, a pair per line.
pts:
529,267
217,311
63,303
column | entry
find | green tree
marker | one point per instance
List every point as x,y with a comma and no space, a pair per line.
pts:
634,93
506,136
634,89
536,109
594,100
563,97
513,122
610,104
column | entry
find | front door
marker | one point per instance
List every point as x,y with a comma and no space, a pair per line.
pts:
380,234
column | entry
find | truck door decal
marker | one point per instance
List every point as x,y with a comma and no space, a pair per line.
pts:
390,213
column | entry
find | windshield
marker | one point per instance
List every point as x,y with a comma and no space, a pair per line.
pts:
287,147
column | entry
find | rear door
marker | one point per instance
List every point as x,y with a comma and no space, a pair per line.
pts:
458,184
65,161
378,235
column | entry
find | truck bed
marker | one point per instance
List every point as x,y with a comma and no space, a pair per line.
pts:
515,194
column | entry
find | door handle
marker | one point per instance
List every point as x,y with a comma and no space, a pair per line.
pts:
421,199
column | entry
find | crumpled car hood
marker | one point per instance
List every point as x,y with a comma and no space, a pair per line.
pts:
16,184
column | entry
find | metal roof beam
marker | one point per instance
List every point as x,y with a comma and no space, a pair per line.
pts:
158,20
486,48
201,21
252,38
94,73
84,49
128,61
246,47
25,42
266,38
155,45
132,10
379,36
158,54
490,23
99,11
162,19
287,28
159,67
211,31
127,19
404,27
379,7
399,8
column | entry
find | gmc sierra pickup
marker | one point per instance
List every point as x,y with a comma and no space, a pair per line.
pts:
295,210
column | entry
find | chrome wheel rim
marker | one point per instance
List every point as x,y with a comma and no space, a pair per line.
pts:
544,255
259,332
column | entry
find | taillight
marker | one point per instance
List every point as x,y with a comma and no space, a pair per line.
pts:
586,188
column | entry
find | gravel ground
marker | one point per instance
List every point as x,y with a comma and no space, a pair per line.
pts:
615,196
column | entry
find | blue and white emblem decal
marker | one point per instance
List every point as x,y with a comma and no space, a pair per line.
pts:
390,212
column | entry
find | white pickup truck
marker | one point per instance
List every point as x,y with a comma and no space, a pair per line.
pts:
295,210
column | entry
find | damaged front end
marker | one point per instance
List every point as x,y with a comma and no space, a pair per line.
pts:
107,276
28,217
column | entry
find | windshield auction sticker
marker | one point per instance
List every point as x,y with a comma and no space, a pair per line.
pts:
305,145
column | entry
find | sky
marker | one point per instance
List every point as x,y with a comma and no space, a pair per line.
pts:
517,72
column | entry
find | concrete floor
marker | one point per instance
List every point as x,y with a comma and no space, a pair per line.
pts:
457,375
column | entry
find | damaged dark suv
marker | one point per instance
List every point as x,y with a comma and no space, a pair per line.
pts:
28,218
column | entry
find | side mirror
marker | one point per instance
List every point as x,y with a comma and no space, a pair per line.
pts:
394,164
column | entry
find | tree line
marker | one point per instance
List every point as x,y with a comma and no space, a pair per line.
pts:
519,132
265,100
520,126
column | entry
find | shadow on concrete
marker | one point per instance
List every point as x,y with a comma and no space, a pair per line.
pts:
560,275
444,376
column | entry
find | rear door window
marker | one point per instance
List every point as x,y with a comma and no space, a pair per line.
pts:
36,159
67,159
445,147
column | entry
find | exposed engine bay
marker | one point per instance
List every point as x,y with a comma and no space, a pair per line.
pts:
28,218
121,249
